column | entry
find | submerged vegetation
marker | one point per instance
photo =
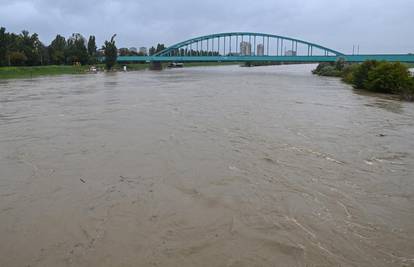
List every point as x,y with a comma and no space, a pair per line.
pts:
375,76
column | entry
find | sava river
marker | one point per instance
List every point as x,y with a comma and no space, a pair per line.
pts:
204,166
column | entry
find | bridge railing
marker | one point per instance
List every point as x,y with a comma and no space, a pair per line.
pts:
409,58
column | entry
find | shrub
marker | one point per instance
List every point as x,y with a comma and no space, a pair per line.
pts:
328,69
388,78
340,64
348,73
382,77
320,67
360,74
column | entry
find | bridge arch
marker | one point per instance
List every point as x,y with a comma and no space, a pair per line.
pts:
270,45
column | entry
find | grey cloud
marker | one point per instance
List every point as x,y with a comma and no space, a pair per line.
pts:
380,26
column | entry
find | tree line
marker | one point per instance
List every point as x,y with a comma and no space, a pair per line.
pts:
26,49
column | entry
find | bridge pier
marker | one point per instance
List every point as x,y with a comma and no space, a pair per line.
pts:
155,65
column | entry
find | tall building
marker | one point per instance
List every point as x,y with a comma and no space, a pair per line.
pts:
245,49
260,50
290,53
143,50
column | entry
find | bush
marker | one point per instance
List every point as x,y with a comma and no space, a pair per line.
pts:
382,77
348,73
360,73
320,67
328,69
390,78
340,64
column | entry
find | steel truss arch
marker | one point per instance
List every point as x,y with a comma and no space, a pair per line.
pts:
250,35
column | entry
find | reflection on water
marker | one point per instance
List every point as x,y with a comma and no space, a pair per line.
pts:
210,166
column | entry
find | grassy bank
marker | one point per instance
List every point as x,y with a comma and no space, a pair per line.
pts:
375,76
28,72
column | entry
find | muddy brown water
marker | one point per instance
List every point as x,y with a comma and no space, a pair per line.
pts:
205,166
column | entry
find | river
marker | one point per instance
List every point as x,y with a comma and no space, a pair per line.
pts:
204,166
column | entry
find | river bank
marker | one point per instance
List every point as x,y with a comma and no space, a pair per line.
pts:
27,72
51,70
375,76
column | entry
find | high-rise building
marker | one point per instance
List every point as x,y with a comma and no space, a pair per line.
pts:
260,50
245,49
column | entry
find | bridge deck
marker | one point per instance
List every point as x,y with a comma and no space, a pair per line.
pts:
348,58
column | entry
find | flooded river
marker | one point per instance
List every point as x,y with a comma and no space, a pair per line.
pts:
204,166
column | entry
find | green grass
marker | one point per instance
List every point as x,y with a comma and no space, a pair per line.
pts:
27,72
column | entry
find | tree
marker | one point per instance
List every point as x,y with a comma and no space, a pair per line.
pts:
17,58
4,42
44,55
92,49
57,50
135,53
76,51
22,49
152,51
111,52
160,47
30,46
12,44
124,52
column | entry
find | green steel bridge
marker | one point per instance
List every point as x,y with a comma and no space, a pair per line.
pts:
255,47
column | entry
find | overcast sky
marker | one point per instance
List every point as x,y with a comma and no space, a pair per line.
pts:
378,26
